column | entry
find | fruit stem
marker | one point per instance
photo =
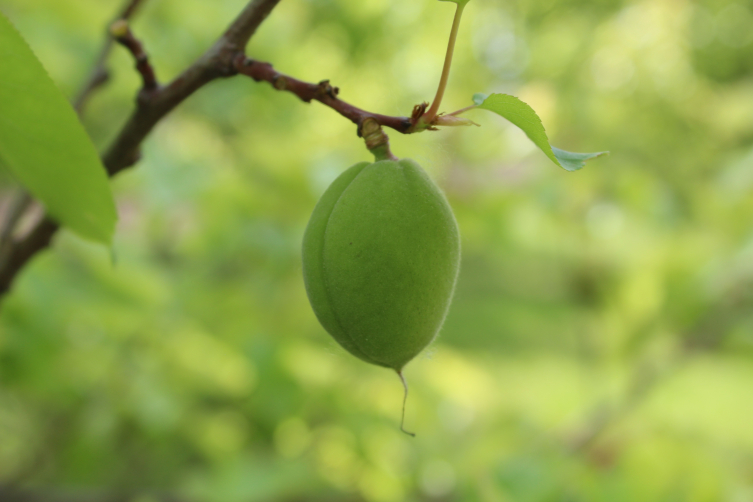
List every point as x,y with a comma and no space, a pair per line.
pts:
432,112
376,140
405,399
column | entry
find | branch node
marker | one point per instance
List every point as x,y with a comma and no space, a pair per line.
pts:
279,82
324,89
376,139
240,60
418,111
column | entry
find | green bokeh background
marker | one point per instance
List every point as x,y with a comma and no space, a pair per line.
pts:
599,345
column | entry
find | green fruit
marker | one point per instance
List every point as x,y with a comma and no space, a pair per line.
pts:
380,259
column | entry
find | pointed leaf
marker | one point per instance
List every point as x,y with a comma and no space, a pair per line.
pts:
523,116
45,146
572,161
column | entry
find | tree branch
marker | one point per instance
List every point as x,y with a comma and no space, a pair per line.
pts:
22,250
224,59
123,35
99,74
150,109
236,37
322,92
217,62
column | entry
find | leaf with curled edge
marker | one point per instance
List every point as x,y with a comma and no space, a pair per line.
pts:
523,116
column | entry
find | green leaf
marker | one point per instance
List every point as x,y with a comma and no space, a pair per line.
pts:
45,146
479,98
460,3
523,116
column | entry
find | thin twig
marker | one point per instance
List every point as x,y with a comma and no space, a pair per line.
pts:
123,35
236,37
216,62
99,74
322,92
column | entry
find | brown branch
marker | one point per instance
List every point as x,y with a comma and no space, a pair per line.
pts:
123,35
217,62
22,250
99,74
322,92
236,37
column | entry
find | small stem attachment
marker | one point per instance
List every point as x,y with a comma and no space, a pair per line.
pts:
462,110
376,140
434,109
405,399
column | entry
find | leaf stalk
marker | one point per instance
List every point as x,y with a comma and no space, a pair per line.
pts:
434,109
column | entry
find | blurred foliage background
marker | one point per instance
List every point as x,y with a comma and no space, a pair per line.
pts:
600,344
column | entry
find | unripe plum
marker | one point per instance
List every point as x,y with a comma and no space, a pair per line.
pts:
381,255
